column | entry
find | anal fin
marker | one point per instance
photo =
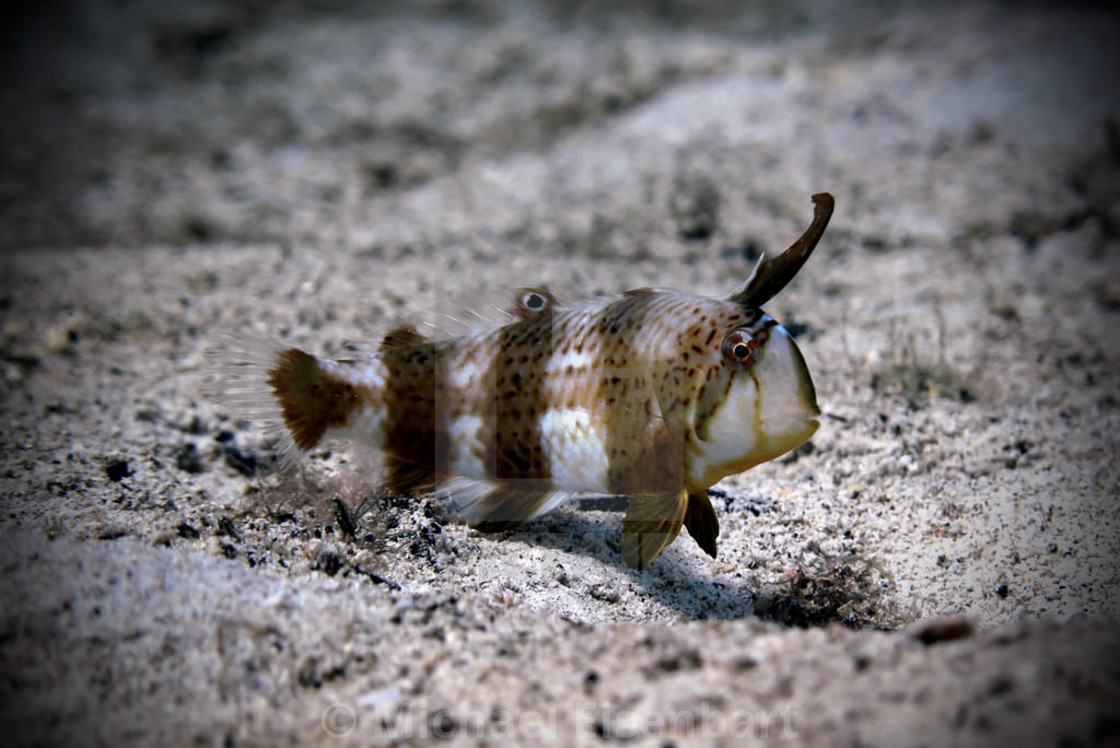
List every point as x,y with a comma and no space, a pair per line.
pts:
701,521
405,477
492,507
652,522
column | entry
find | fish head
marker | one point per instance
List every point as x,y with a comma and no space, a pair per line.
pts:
759,401
761,404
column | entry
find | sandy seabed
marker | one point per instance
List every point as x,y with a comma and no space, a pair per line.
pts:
938,566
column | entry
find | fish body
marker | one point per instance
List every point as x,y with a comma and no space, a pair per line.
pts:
652,393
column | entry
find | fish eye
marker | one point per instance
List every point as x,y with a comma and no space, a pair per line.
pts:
739,348
533,301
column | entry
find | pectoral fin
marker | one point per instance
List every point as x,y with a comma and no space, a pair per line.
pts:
701,521
652,522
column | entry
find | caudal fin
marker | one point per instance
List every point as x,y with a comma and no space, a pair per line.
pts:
305,393
285,391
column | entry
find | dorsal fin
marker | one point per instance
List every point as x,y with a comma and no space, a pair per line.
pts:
533,302
404,336
771,275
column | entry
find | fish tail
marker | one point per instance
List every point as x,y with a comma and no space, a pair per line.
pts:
284,390
306,394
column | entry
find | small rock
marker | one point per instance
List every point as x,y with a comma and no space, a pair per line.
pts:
117,470
939,630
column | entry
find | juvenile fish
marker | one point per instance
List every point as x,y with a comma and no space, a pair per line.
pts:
652,393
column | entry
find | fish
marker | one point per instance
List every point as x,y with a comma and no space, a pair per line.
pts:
652,393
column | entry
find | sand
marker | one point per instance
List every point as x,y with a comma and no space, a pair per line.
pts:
938,566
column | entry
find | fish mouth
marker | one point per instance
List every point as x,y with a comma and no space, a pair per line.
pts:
812,409
806,391
812,416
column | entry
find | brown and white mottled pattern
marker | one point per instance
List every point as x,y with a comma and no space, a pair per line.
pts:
653,393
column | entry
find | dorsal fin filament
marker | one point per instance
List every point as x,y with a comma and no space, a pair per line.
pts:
772,275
